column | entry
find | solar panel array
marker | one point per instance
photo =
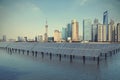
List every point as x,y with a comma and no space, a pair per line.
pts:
78,49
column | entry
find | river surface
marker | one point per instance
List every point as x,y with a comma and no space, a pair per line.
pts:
17,66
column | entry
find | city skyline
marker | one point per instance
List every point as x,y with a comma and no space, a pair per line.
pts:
27,18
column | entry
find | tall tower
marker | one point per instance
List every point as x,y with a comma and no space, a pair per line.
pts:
75,30
105,22
46,33
46,28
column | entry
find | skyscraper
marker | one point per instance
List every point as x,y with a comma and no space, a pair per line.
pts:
94,30
64,34
57,36
36,39
69,31
105,22
46,33
87,30
4,38
40,38
111,31
75,30
101,29
118,32
21,39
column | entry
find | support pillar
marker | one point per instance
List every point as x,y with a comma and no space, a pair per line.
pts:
59,57
42,54
32,53
105,56
50,56
36,54
71,58
93,58
84,59
23,51
27,52
98,59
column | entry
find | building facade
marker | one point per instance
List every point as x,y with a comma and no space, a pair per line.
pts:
64,34
101,29
69,31
40,38
75,30
57,36
4,38
105,22
87,30
111,31
118,32
94,30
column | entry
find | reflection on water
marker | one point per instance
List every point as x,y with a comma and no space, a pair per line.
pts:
17,66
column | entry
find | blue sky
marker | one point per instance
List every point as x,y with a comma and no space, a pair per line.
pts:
27,17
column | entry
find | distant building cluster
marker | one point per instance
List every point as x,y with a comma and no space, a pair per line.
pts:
108,31
71,33
96,32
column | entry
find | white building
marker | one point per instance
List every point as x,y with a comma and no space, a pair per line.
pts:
111,31
40,38
57,36
75,30
101,29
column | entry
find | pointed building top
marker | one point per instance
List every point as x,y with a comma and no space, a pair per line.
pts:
46,21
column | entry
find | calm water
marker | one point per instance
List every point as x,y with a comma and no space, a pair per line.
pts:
23,67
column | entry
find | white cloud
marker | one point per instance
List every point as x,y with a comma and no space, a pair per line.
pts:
28,6
35,8
83,2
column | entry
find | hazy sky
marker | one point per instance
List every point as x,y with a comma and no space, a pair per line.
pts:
27,17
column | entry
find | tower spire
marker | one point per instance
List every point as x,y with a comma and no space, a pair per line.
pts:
46,32
46,21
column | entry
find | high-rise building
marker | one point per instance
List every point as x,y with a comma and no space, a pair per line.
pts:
57,36
75,30
26,39
111,31
94,30
36,39
87,30
64,34
46,33
118,32
4,38
69,31
101,29
19,39
50,39
40,38
105,22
